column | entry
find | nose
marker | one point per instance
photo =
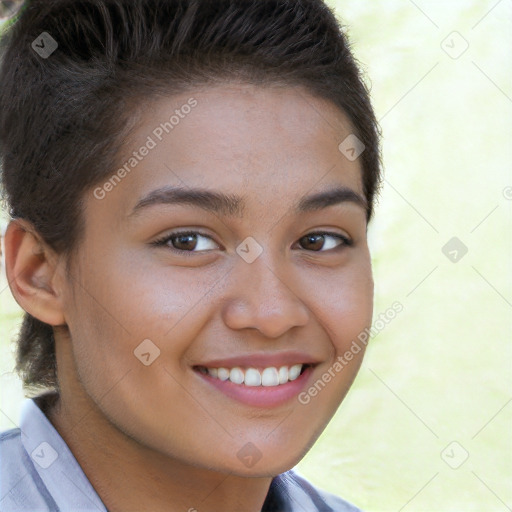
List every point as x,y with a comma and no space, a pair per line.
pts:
262,298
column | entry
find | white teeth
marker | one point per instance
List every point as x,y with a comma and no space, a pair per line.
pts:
283,374
269,377
294,371
236,375
252,377
222,373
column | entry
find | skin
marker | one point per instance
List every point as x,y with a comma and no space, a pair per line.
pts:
157,437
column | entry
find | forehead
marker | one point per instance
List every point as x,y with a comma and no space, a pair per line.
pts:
271,143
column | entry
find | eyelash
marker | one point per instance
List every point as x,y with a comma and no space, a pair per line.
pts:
164,241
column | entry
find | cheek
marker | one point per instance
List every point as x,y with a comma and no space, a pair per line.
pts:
120,303
343,304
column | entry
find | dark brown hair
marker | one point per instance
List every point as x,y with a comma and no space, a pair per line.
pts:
64,116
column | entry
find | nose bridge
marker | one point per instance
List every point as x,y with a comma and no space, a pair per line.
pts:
262,296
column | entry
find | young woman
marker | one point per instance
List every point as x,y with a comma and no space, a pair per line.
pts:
190,184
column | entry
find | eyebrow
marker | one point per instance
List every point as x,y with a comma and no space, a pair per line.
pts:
230,205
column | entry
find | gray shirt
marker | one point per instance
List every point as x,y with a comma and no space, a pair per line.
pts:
39,473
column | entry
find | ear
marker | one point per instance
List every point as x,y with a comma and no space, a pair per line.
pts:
31,272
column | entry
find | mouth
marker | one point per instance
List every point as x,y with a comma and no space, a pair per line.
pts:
256,377
263,387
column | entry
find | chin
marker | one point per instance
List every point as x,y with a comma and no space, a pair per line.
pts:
250,463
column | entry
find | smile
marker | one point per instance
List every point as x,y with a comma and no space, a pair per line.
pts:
267,377
265,386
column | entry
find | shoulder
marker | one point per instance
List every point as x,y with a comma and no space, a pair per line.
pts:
300,491
19,486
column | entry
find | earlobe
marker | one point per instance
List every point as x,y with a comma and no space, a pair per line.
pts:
31,267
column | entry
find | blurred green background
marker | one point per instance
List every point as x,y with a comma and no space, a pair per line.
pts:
427,424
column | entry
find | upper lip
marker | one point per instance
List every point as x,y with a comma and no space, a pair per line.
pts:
264,360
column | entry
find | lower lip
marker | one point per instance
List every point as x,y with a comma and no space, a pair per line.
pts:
261,396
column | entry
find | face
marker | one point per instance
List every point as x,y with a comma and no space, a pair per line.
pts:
263,275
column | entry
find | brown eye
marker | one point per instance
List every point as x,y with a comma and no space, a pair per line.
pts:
186,242
322,242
